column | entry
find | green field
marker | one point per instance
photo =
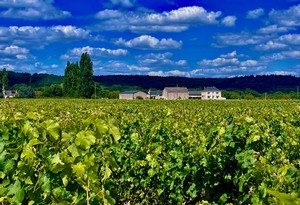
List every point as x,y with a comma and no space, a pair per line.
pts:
61,151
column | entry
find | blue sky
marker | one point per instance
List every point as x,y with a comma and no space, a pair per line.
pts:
194,38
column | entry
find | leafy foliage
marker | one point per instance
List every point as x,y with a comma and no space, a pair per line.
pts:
78,79
4,78
149,152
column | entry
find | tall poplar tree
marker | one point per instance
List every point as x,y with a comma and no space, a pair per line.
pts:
67,80
4,78
86,74
78,79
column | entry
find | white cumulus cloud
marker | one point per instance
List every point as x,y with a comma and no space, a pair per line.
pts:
254,14
229,21
123,3
169,21
95,52
283,42
274,29
31,10
35,36
289,17
147,42
227,64
160,60
241,39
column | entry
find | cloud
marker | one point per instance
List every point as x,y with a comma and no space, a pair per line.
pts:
240,39
283,42
194,14
95,52
12,53
274,29
146,42
218,62
291,39
227,64
123,3
284,55
233,54
137,68
31,10
289,17
116,67
254,14
109,14
156,73
282,72
249,63
38,37
14,50
171,21
169,73
8,67
160,60
229,21
270,45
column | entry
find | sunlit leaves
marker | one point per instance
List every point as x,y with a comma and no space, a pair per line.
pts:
53,129
79,170
85,139
149,152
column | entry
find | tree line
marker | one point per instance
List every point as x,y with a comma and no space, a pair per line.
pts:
78,82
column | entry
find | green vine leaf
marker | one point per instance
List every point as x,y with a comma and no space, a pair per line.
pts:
85,139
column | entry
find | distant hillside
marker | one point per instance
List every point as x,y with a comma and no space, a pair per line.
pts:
35,80
263,83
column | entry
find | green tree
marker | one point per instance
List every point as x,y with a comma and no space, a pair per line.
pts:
86,76
67,80
24,91
53,91
113,94
4,79
78,79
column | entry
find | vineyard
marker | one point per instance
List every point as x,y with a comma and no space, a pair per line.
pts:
63,151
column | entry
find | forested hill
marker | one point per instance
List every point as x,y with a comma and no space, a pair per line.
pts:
263,83
35,80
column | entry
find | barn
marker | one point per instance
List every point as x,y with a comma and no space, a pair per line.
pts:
130,95
175,93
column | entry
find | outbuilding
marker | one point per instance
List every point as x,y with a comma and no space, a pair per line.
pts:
130,95
195,94
175,93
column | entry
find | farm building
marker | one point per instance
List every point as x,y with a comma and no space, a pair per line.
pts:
9,93
130,95
174,93
211,93
195,94
155,94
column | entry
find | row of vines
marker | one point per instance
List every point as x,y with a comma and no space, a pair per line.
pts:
149,152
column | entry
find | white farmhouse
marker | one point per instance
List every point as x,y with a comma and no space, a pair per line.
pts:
130,95
175,93
211,93
9,93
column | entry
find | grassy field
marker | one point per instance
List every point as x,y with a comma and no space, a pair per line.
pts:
75,151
